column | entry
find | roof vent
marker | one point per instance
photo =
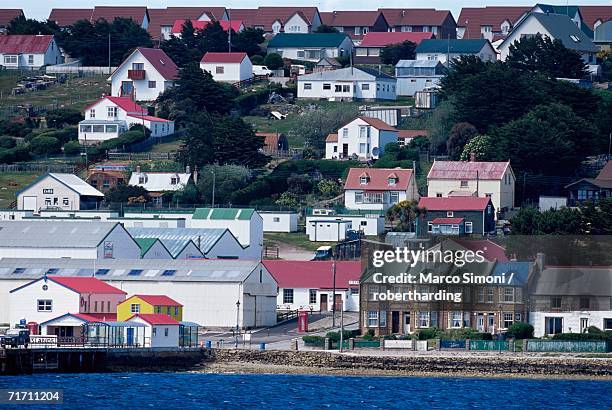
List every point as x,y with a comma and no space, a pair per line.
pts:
162,62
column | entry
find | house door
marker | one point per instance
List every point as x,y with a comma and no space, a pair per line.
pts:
127,88
407,327
480,322
344,150
323,306
338,300
395,321
130,336
29,203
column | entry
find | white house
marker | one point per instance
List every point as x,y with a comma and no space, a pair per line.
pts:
210,289
47,297
363,138
144,75
279,221
274,20
46,238
370,224
311,46
245,224
379,188
156,183
58,191
308,285
556,27
495,180
160,330
228,67
446,50
28,51
110,117
351,83
327,230
417,75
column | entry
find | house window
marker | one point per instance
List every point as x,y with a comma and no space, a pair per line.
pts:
509,295
112,112
85,128
157,309
96,306
423,319
429,227
486,29
372,318
365,87
490,295
65,201
312,296
326,86
276,219
354,291
607,323
137,66
438,195
106,183
173,181
464,184
363,180
166,331
456,319
301,53
394,197
359,197
508,320
92,113
176,311
344,132
287,295
154,332
45,305
554,325
307,86
450,214
111,129
219,69
98,128
152,84
10,59
469,227
362,149
585,303
134,308
555,303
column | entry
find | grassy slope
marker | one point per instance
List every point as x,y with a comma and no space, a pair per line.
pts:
11,183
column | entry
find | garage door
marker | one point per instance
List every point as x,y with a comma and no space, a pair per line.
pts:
29,203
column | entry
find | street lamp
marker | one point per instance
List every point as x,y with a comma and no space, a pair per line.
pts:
237,322
334,293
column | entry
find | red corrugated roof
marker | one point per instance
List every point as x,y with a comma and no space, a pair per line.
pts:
267,15
467,170
447,221
491,251
313,274
590,14
606,173
149,118
343,18
375,39
457,203
378,124
156,319
125,103
157,300
402,134
416,17
110,13
67,17
235,58
161,62
103,317
23,44
472,18
7,15
378,179
177,27
86,285
167,16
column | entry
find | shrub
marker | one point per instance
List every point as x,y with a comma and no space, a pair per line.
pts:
369,335
257,60
72,148
426,334
45,145
520,330
314,340
346,335
273,61
7,142
592,334
63,116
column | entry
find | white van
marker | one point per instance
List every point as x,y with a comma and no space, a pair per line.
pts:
261,70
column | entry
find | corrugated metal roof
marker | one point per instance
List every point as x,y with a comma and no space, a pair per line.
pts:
454,46
46,233
160,181
77,184
20,44
418,63
186,270
482,170
346,74
288,40
175,239
224,213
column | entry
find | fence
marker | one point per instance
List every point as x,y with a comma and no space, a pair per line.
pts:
140,156
27,167
534,345
452,344
73,69
492,345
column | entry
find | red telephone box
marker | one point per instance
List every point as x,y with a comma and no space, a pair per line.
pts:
302,321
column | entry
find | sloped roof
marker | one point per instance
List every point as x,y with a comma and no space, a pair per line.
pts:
284,40
332,138
155,319
418,63
85,318
228,58
22,43
160,181
67,17
345,18
53,234
518,271
453,46
125,103
175,239
382,39
145,244
167,16
490,249
266,16
272,139
109,13
606,172
328,61
247,16
447,221
86,285
467,170
160,60
355,74
177,27
418,17
472,18
156,300
575,281
590,14
378,179
402,134
377,123
224,213
314,274
8,15
75,183
457,203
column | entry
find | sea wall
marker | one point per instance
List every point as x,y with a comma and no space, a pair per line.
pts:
464,365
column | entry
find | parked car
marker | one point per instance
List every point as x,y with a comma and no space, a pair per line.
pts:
262,70
323,253
15,338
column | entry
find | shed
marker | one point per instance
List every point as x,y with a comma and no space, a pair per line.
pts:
58,191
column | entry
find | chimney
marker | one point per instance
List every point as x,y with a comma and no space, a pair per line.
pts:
195,174
403,13
335,12
539,261
138,169
472,157
188,169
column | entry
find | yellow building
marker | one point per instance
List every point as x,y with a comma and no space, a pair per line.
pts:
137,304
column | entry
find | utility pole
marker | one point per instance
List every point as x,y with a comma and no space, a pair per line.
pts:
229,31
341,328
334,293
109,54
213,189
609,146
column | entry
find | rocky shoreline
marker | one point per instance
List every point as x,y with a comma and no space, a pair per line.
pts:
327,363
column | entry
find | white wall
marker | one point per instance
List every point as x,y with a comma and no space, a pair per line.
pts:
14,215
570,320
362,90
102,215
296,24
23,304
248,232
370,225
51,56
150,222
56,198
232,72
124,247
280,221
411,85
162,215
301,300
328,230
189,252
159,339
227,246
485,54
530,26
377,139
141,87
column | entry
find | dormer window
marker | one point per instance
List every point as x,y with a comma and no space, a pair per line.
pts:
364,179
92,113
141,180
173,181
392,179
450,214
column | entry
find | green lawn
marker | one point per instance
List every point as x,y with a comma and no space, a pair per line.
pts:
166,146
10,183
297,239
76,93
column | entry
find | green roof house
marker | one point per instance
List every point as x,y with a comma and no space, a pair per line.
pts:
448,50
311,46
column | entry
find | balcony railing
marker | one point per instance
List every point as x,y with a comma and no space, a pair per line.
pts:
136,74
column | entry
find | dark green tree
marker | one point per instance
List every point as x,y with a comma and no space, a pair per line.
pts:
248,41
212,38
325,29
403,215
183,50
541,54
460,135
393,53
22,25
198,148
63,116
126,193
273,61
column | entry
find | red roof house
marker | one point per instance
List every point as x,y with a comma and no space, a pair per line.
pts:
379,188
236,25
162,20
157,300
25,44
265,17
468,170
595,14
228,67
355,23
373,39
475,21
440,22
67,17
456,216
469,203
85,285
8,15
155,319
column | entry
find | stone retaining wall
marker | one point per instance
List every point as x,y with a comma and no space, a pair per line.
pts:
485,365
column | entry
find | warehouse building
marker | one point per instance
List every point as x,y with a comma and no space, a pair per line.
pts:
58,191
215,293
66,239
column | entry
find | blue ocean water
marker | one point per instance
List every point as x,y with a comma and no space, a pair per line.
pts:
173,391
